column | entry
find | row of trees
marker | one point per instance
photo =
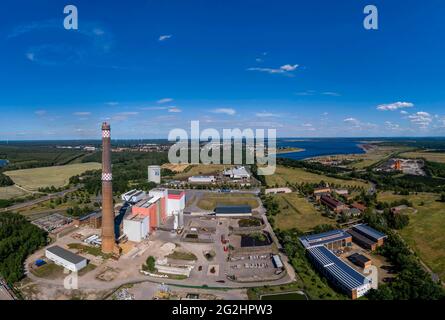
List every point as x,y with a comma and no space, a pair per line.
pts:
5,180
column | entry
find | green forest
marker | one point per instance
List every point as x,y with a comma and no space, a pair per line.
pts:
18,239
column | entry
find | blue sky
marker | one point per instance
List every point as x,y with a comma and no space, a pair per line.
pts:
306,68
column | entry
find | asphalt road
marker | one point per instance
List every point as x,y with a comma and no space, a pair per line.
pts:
39,200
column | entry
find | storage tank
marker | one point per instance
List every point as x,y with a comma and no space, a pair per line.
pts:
154,174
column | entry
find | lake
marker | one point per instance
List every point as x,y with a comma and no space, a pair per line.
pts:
319,147
3,163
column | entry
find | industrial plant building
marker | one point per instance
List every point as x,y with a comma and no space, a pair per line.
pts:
65,258
134,196
136,227
367,237
154,174
157,206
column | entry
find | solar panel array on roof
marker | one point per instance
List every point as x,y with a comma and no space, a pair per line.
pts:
368,231
339,270
324,238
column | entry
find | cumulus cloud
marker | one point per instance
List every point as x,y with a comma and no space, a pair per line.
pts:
403,112
422,119
228,111
395,106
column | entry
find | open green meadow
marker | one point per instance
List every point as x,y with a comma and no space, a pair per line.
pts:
57,176
426,230
210,200
285,175
297,212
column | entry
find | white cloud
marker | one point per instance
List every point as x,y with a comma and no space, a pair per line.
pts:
284,69
124,115
392,126
395,106
174,110
404,112
112,103
40,112
266,114
351,120
422,119
330,93
165,100
165,37
228,111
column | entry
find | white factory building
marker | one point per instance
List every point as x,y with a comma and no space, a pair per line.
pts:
154,174
65,258
134,196
237,173
136,227
201,179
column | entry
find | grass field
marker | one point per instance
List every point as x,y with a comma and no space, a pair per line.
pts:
201,169
430,156
210,200
284,296
426,230
11,192
50,271
58,176
296,175
297,212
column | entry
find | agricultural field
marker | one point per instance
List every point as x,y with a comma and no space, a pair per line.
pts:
210,200
426,230
175,167
429,156
297,212
201,169
58,176
11,192
296,175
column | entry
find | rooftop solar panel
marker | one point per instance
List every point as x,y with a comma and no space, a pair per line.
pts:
337,268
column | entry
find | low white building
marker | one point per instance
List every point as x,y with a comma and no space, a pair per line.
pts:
237,173
65,258
202,179
136,227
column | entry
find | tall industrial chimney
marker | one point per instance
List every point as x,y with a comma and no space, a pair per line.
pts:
108,242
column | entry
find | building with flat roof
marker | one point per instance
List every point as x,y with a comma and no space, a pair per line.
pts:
233,211
136,227
237,173
367,237
201,179
332,239
338,272
360,260
65,258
